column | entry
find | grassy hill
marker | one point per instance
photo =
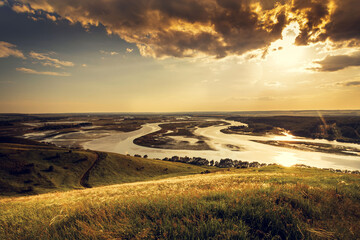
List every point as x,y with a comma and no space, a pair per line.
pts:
117,168
267,203
153,199
31,168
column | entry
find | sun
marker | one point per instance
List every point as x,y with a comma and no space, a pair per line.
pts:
284,52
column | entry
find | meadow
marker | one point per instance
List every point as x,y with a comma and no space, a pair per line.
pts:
273,202
35,168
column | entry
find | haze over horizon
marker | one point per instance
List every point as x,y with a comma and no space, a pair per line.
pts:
178,56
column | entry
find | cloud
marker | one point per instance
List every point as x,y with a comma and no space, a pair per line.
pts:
129,50
48,61
178,28
345,21
112,53
186,28
263,99
8,49
31,71
339,62
22,9
51,17
352,84
274,84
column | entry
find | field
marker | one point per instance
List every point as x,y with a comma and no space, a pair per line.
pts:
27,167
50,192
268,203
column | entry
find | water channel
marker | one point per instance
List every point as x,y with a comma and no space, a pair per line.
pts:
248,150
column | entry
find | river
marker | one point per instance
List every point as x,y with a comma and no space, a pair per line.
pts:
249,151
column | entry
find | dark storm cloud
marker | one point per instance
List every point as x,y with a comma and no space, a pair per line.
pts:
213,27
345,21
336,63
314,13
337,20
176,28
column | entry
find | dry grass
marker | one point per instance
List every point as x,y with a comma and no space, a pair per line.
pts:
24,169
273,202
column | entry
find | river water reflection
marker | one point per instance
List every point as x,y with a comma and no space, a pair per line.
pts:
250,151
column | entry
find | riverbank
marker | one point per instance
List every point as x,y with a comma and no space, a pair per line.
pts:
339,128
203,138
314,147
236,147
229,163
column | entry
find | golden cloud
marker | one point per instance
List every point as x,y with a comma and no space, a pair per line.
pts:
8,49
217,28
32,71
49,61
22,9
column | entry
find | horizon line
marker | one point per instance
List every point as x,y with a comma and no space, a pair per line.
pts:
182,112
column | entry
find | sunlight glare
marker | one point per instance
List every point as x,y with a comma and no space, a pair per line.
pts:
285,137
283,52
286,159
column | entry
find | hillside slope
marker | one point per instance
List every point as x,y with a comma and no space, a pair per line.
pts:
268,203
32,169
117,168
29,168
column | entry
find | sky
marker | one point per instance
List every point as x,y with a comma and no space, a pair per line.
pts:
178,56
